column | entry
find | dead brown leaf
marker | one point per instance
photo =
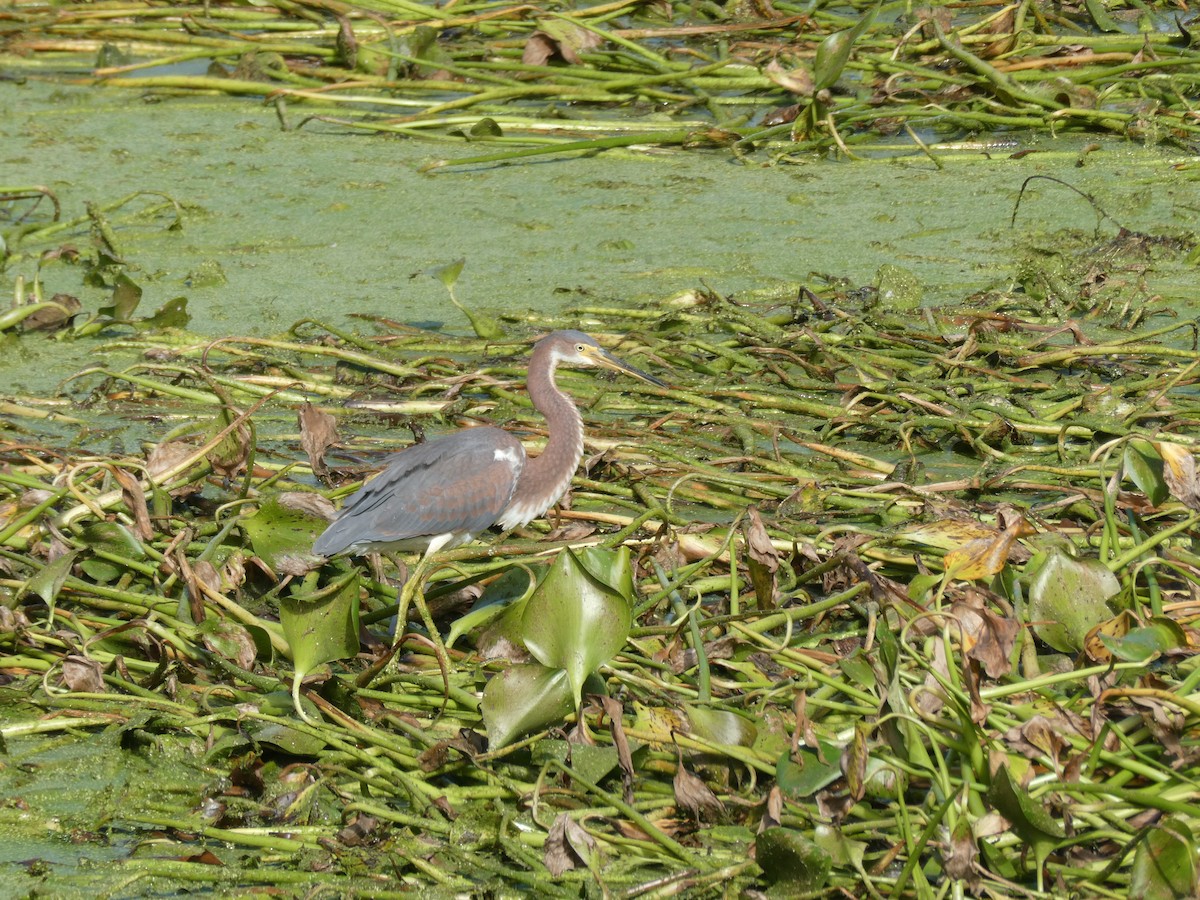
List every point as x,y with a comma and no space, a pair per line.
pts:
318,432
135,502
82,674
986,636
558,40
693,795
762,559
1179,472
54,317
567,846
614,710
164,458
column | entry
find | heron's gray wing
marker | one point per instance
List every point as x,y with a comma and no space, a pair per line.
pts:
456,484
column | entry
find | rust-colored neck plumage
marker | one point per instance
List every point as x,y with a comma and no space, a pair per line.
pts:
546,478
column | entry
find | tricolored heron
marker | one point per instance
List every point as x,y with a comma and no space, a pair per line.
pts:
441,493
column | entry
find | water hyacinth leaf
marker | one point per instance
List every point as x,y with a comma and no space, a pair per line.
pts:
594,763
523,699
115,539
48,581
172,314
834,52
1145,469
1101,18
288,740
1068,598
720,726
448,274
803,774
1143,644
611,567
1028,817
899,288
320,626
842,850
125,299
790,861
504,593
575,622
280,528
1164,865
231,640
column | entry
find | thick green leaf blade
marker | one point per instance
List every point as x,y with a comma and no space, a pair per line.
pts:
1142,644
575,622
320,627
1029,818
806,773
503,594
1164,865
276,530
1068,598
791,862
127,294
448,274
523,699
1145,469
834,52
48,581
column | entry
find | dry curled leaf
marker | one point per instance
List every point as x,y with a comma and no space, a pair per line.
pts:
1179,472
567,847
693,795
762,559
614,710
798,81
135,502
558,40
166,457
82,674
318,432
987,637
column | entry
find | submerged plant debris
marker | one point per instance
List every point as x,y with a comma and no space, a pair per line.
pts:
889,600
768,75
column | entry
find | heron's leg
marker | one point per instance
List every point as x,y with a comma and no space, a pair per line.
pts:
414,592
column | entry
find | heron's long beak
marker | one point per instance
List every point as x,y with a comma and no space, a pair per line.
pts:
606,360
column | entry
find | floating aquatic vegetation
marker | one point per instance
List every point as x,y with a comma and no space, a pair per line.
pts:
781,78
905,593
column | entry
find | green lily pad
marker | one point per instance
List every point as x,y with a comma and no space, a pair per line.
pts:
1068,598
807,772
320,627
523,699
276,531
790,861
574,622
1164,865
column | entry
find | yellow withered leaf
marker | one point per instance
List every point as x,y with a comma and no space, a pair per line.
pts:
1179,472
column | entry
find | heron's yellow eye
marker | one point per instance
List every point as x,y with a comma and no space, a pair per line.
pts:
579,348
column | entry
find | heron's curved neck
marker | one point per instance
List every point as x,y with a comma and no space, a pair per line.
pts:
546,477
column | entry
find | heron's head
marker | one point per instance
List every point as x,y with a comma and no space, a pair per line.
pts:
574,348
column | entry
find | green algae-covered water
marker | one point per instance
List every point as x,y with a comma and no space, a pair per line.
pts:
276,226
